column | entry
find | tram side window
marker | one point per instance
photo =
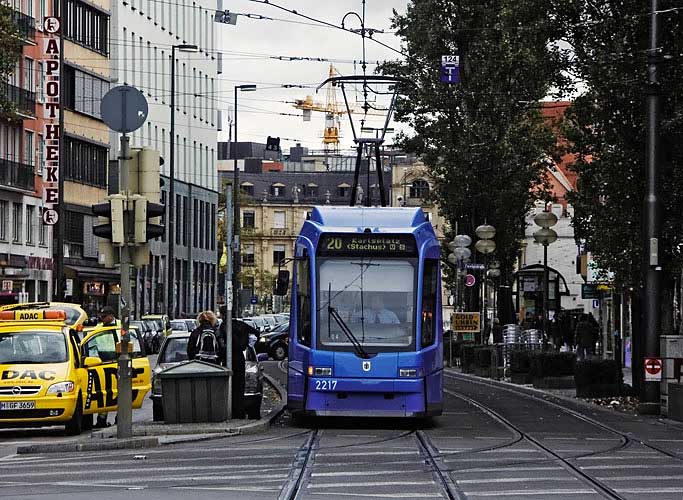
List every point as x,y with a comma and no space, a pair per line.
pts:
303,299
429,296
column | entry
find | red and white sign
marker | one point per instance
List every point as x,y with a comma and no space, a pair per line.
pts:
470,280
653,369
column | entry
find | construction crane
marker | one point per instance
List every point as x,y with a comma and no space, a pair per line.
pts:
332,112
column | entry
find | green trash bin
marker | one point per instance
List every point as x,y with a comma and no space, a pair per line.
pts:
194,391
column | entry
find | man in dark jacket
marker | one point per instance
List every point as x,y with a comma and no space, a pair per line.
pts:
240,341
585,338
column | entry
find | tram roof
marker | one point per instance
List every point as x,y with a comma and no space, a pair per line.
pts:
373,217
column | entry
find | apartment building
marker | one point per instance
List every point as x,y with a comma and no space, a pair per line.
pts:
144,34
25,243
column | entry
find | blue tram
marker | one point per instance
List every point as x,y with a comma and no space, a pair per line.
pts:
365,326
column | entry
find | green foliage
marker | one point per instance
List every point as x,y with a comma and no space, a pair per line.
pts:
552,364
10,52
606,127
484,140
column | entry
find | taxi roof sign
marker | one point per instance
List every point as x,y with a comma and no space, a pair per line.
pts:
33,315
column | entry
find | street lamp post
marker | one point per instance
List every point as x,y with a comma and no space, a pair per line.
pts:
170,303
236,211
485,245
545,236
460,253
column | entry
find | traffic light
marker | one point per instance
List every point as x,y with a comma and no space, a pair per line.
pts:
110,213
146,218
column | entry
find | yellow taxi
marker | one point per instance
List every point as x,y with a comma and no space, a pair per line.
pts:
48,376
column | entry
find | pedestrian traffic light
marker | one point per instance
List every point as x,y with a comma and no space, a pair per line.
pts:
147,215
110,213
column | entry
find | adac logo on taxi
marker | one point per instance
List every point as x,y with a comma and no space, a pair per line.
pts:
33,315
32,374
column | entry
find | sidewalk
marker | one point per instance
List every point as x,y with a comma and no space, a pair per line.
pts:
148,434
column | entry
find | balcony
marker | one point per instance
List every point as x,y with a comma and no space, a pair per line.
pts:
25,24
17,175
23,99
279,231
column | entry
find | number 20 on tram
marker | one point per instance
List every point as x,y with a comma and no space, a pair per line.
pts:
365,327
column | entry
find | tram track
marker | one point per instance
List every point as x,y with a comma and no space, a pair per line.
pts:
565,462
628,439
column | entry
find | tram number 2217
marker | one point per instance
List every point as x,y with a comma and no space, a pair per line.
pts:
325,385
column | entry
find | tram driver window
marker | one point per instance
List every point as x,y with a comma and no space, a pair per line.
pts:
429,295
303,298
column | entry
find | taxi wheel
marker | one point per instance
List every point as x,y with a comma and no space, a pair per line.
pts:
279,352
75,425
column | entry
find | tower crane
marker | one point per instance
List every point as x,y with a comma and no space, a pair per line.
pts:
332,113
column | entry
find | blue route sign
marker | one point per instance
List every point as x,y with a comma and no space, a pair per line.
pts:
254,299
450,69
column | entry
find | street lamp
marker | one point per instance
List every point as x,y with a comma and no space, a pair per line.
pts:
485,245
460,253
545,236
171,189
236,211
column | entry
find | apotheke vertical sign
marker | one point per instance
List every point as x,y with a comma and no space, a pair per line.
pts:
53,128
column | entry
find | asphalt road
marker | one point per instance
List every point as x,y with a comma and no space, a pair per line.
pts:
492,442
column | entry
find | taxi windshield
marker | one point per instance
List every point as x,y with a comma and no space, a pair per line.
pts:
32,347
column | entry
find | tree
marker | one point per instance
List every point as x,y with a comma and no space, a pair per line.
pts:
606,128
10,41
484,140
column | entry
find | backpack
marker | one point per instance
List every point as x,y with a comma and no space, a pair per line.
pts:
209,349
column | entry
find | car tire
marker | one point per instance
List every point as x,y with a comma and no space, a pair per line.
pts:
157,410
75,425
87,422
279,352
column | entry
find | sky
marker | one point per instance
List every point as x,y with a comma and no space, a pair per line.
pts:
248,48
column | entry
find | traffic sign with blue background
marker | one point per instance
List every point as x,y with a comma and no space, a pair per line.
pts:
450,69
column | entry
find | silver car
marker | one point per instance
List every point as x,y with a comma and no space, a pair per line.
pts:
174,351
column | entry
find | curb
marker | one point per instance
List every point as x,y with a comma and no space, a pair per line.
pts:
119,444
205,431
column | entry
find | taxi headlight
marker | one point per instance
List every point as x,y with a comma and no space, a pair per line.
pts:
61,387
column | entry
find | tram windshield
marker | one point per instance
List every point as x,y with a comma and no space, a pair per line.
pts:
372,298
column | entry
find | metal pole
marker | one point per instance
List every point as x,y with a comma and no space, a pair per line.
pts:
483,301
651,265
61,212
170,302
545,288
228,292
236,221
124,421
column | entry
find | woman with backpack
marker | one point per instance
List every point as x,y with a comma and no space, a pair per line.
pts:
204,343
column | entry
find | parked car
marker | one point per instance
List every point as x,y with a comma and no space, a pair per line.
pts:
174,351
257,322
275,343
183,325
162,321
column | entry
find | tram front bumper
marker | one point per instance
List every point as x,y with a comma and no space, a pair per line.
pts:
366,397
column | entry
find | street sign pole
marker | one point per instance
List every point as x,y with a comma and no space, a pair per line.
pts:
124,422
228,292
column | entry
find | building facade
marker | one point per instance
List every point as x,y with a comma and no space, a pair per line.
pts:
25,243
146,32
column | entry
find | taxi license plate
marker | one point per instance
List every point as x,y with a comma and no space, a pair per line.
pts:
17,405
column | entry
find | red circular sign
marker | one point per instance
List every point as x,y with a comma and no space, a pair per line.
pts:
653,365
470,280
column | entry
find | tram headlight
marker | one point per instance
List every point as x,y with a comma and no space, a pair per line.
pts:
409,372
320,371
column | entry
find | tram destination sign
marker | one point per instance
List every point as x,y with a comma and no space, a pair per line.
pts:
367,244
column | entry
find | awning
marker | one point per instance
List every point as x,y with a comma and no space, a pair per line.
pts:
312,185
246,184
100,273
344,185
279,185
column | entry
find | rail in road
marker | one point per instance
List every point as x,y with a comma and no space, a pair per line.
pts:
558,451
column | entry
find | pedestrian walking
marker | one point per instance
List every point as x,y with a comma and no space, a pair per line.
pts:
204,343
240,341
497,331
585,338
107,318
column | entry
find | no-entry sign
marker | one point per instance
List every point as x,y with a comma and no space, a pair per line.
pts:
653,369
